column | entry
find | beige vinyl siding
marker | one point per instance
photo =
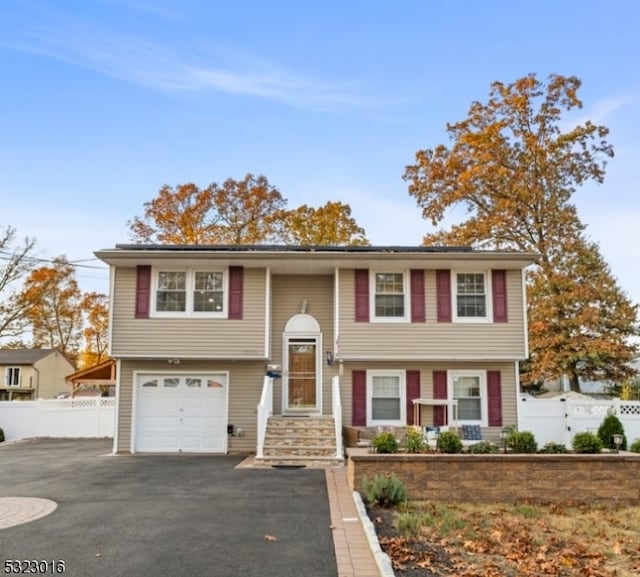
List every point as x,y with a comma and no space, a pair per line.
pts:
51,373
508,386
188,337
431,339
288,294
245,387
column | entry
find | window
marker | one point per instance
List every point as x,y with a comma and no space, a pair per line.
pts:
386,398
471,297
190,293
12,377
469,388
389,295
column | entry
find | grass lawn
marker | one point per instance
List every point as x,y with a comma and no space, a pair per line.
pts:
425,539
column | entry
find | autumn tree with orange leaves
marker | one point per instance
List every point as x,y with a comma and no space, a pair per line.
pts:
96,329
235,212
55,313
331,224
515,170
249,211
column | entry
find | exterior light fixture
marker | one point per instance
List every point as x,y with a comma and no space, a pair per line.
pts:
617,441
504,435
329,358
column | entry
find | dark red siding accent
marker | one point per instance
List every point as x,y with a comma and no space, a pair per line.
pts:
359,398
443,295
413,392
439,392
417,296
499,289
236,287
362,295
143,291
494,394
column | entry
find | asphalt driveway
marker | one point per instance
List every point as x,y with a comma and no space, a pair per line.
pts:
155,516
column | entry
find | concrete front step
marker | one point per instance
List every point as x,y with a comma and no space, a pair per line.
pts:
295,450
298,461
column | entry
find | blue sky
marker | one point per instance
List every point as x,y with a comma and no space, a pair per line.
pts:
105,101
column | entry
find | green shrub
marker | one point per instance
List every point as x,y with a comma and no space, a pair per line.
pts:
552,447
414,441
483,448
609,427
522,442
385,442
635,446
587,443
1,435
384,490
449,442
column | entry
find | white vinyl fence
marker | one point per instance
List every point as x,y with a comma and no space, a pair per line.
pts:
560,418
79,418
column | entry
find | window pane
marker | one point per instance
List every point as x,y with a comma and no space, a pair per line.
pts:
208,294
385,409
389,306
466,389
171,295
471,298
389,295
193,382
385,386
469,410
172,382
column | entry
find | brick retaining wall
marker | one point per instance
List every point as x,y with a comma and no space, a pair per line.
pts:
510,478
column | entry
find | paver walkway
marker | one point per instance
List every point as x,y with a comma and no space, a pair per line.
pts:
353,551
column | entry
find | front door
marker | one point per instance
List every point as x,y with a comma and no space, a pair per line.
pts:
302,374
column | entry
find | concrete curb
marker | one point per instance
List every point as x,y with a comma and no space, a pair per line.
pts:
382,559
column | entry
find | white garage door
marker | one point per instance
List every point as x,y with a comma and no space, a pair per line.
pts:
181,413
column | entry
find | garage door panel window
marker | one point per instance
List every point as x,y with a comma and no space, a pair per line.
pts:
171,382
151,383
193,383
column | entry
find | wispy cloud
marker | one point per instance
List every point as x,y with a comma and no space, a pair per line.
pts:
164,67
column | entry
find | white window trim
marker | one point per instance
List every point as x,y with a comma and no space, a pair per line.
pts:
484,401
189,288
488,318
372,297
6,377
402,383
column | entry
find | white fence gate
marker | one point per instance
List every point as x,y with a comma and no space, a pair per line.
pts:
560,418
80,418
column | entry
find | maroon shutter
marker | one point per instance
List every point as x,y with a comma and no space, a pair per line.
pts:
499,290
417,296
439,392
413,392
236,284
362,295
443,295
359,398
143,291
494,394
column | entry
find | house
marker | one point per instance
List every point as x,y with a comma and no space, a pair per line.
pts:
215,344
33,374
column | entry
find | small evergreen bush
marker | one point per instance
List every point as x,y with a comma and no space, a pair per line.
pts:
587,442
609,427
522,442
384,490
554,448
483,448
635,446
449,442
385,442
1,435
414,441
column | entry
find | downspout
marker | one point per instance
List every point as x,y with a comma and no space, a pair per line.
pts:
37,393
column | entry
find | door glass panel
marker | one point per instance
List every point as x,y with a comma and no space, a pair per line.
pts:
302,374
193,382
173,382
